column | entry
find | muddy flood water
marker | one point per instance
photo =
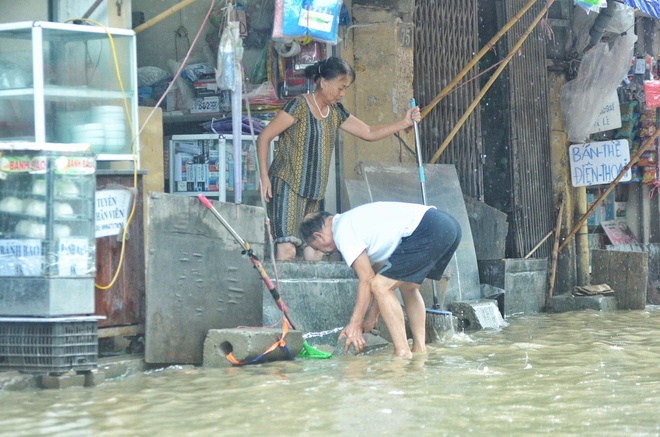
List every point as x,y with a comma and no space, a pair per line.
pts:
580,373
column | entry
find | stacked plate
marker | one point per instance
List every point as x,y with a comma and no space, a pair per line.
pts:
103,128
91,133
113,119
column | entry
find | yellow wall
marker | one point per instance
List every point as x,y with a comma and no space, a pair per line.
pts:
382,89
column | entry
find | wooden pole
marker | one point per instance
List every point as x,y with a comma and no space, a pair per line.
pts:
490,82
539,245
163,15
647,144
476,59
555,252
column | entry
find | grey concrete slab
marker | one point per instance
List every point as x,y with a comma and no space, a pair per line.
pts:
358,192
400,182
524,281
489,229
477,314
248,344
653,284
567,302
626,272
196,277
319,295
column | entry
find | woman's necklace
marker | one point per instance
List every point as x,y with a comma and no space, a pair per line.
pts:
317,107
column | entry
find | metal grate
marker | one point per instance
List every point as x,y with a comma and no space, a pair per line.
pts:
532,210
446,40
517,175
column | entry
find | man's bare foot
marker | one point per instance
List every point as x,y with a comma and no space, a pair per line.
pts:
403,353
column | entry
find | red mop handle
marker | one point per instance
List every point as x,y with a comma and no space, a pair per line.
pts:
264,276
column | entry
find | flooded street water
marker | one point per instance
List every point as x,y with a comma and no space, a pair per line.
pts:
580,373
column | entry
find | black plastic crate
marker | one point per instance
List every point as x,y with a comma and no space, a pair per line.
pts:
48,345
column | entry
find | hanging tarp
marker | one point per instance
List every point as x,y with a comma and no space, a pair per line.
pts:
649,7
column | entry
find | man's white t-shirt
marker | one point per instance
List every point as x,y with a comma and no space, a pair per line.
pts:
377,227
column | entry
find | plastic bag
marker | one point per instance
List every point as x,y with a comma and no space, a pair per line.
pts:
622,19
184,93
296,18
148,76
193,72
601,71
229,55
652,93
13,76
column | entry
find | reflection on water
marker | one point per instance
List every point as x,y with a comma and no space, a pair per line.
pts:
583,373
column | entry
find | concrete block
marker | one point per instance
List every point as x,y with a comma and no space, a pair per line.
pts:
524,281
626,272
319,295
248,344
197,278
373,343
567,302
94,378
477,314
653,284
61,381
489,229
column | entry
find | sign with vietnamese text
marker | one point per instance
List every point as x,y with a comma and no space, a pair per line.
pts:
112,208
598,162
618,232
20,257
609,117
73,257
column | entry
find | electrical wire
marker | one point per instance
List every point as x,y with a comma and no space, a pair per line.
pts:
135,136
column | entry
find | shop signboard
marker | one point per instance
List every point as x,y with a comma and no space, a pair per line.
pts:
598,162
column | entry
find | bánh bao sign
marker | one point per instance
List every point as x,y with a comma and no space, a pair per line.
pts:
598,162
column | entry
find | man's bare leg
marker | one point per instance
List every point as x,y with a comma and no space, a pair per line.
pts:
416,311
382,289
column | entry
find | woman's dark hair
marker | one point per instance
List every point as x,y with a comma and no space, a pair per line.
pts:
313,222
330,69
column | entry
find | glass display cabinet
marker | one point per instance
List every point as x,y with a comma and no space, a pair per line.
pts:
47,229
205,164
70,83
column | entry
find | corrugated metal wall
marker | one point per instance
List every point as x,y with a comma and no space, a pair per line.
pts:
532,215
446,40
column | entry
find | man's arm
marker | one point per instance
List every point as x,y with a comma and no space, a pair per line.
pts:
353,331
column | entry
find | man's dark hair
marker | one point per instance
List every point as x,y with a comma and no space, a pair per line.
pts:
313,222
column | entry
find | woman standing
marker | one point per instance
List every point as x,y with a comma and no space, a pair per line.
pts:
308,125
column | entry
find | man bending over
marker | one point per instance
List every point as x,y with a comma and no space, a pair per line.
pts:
389,245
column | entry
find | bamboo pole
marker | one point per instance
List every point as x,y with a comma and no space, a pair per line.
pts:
490,82
163,15
539,245
555,252
647,144
476,59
